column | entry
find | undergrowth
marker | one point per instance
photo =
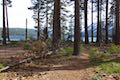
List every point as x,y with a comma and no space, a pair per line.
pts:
110,67
66,51
2,65
114,49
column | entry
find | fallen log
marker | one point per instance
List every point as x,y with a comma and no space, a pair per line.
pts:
23,61
48,53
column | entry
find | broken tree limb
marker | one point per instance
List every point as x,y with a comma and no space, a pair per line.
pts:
23,61
48,53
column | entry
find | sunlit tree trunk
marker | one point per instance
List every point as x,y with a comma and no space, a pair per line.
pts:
77,28
86,25
56,24
8,36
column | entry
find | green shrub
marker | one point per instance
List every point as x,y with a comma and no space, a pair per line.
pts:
114,49
27,46
94,54
66,51
14,43
110,67
96,77
2,65
97,55
105,56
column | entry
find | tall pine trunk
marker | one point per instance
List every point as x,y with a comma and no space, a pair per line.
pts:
117,27
98,23
26,31
4,27
8,36
46,29
92,34
106,26
56,24
86,25
77,28
38,25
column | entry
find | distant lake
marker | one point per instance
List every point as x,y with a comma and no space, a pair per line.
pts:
83,39
90,40
16,37
22,38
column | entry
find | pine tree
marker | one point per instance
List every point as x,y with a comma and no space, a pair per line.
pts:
77,28
92,34
98,23
106,26
56,24
86,25
4,27
117,27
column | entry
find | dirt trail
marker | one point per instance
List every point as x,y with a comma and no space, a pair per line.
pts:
9,52
72,68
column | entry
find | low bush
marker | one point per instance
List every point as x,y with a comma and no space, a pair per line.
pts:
2,65
96,77
27,46
66,51
94,54
97,55
14,43
114,49
110,67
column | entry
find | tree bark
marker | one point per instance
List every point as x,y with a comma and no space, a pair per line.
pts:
4,27
56,24
46,30
77,28
117,27
86,25
92,34
38,27
26,31
106,26
8,36
98,23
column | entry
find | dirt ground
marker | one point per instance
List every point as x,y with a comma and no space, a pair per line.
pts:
52,68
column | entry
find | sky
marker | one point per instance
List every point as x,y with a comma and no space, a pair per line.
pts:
18,14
